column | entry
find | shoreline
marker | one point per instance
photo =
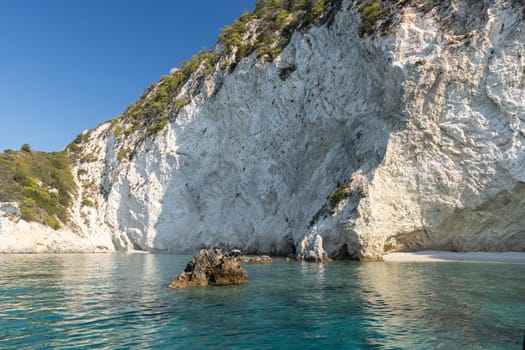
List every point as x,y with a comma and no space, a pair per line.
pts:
509,257
448,256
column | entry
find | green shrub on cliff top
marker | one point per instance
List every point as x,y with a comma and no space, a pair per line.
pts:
277,19
371,14
149,112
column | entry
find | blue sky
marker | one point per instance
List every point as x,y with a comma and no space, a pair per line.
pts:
68,65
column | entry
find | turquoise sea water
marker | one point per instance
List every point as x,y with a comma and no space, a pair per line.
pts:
119,301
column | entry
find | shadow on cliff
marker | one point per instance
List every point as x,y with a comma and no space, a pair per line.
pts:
268,167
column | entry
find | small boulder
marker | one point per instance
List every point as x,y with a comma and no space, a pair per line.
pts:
262,259
211,267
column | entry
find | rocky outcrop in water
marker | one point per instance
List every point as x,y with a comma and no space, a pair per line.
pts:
211,267
312,250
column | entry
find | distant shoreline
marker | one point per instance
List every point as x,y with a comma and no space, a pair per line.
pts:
437,256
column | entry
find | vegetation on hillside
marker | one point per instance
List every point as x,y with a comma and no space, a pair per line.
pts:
342,192
150,111
371,12
40,182
272,23
379,16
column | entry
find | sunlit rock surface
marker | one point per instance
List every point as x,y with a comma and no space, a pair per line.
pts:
211,267
424,126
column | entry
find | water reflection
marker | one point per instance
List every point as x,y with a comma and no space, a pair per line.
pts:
388,300
409,306
113,288
77,297
121,301
30,298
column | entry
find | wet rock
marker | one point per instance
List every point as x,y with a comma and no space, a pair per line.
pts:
211,267
263,259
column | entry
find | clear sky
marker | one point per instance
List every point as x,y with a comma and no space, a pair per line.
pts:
68,65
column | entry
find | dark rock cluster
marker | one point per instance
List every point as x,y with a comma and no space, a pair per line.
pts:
211,267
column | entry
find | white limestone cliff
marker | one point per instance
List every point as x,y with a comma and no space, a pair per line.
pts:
425,127
19,236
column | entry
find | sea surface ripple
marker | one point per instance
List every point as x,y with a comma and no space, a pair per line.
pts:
120,301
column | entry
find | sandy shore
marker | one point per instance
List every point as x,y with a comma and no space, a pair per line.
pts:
432,256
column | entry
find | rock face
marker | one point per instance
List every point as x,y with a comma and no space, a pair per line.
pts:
312,249
211,267
424,128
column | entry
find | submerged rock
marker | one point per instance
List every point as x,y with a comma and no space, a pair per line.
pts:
211,267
